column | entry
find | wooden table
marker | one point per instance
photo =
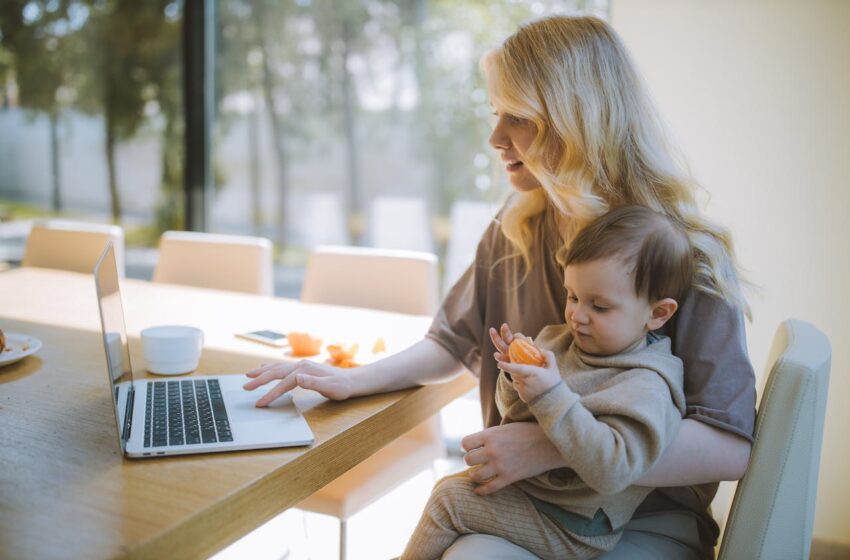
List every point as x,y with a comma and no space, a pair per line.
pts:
65,489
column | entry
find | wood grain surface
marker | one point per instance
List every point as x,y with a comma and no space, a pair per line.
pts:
65,489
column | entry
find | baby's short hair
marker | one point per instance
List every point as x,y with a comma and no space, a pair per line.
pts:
658,249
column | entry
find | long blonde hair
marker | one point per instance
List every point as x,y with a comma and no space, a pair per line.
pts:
599,142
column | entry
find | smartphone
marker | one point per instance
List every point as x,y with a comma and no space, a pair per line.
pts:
272,338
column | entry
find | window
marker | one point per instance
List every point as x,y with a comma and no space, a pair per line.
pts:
358,122
364,121
91,116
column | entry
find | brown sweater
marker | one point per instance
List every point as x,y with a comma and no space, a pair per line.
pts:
611,418
706,333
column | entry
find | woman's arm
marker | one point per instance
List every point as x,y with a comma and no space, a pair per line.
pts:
699,454
423,363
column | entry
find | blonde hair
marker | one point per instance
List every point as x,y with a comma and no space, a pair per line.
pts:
599,143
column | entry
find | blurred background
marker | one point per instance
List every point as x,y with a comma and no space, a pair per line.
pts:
360,122
365,122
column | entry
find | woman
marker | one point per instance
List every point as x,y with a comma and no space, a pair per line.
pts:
578,136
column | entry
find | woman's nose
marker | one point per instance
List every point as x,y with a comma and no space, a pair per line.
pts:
498,139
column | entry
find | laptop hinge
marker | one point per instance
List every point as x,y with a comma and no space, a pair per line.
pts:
128,414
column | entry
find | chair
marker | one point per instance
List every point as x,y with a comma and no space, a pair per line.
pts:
390,280
400,281
774,505
71,245
222,262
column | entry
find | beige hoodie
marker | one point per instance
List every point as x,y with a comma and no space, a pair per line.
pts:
610,418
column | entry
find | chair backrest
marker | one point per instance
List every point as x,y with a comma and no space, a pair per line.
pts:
773,510
71,245
223,262
386,279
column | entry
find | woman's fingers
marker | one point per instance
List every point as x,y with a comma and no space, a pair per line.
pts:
475,457
481,474
260,370
263,375
495,484
472,441
329,386
284,386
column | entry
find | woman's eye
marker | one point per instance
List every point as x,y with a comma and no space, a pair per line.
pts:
600,309
510,119
572,299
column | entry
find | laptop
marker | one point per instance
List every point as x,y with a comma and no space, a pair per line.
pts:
187,414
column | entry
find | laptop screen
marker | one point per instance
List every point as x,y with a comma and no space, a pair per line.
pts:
115,343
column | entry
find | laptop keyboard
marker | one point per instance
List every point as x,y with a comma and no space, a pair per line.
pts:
185,412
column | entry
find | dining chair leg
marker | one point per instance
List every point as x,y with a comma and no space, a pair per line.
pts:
343,526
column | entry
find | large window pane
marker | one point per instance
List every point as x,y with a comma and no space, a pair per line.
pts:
91,115
358,122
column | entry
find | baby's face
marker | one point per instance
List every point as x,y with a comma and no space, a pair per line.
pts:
603,311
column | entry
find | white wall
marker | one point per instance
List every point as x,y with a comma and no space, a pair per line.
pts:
756,94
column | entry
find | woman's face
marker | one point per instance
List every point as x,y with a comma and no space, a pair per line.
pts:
512,137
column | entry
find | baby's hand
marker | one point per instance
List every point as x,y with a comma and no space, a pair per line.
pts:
502,340
533,381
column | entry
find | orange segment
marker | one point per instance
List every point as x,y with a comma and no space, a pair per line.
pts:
338,353
347,363
342,357
302,344
523,351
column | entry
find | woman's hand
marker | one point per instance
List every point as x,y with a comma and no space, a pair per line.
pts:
502,455
333,383
424,362
532,381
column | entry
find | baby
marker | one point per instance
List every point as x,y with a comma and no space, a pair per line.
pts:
608,395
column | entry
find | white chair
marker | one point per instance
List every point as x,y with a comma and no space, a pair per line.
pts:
71,245
390,280
774,505
222,262
400,281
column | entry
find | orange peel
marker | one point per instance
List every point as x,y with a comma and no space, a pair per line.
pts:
303,344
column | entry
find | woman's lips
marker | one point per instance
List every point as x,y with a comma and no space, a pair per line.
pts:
513,167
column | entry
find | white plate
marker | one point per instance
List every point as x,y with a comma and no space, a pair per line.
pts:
18,347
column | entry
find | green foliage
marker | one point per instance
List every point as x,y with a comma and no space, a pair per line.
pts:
305,63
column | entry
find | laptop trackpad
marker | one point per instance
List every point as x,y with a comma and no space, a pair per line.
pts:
241,407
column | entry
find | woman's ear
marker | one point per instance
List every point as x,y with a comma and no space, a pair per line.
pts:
662,310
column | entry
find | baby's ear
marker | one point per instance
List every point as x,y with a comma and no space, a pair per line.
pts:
662,310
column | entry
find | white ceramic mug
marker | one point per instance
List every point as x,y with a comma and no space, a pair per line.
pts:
172,349
116,353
